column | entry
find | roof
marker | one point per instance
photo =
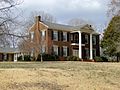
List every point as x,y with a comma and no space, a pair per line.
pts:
8,50
62,27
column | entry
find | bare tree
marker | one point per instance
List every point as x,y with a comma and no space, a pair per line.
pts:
7,19
114,8
38,44
77,22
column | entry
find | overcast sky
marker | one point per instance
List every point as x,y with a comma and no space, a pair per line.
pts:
64,10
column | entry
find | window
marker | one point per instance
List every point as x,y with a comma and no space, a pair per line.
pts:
43,49
71,37
43,35
32,36
64,36
32,52
87,56
64,51
55,49
94,40
76,53
86,39
94,52
55,35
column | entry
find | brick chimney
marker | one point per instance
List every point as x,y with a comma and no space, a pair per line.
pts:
38,18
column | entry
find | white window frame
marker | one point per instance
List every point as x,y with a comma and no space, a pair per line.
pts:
43,34
75,52
64,36
32,36
55,49
65,51
55,35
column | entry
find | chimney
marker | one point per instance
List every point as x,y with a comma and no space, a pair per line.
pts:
38,18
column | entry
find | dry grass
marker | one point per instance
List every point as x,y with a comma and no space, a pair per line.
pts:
59,76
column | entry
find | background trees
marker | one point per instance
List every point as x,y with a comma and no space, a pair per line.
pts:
111,40
8,20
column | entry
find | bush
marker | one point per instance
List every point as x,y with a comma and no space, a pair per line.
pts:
20,58
27,58
105,59
101,59
98,59
73,58
47,57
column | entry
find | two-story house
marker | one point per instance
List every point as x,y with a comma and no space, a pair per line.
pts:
64,40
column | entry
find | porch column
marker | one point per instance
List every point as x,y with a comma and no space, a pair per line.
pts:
15,57
91,47
80,46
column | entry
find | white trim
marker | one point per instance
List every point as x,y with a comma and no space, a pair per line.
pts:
80,45
15,57
43,24
91,47
73,44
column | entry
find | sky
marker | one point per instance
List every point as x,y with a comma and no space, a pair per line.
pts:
93,11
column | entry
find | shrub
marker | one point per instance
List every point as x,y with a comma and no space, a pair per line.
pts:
105,59
98,59
73,58
20,58
101,59
47,57
27,58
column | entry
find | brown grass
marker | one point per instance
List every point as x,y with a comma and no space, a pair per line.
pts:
59,76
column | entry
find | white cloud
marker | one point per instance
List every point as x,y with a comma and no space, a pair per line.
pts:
93,10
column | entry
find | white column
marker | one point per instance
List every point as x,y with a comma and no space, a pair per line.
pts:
91,47
15,57
80,45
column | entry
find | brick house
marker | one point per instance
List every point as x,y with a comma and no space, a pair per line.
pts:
64,40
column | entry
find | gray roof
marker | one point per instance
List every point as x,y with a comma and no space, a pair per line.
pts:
62,27
9,50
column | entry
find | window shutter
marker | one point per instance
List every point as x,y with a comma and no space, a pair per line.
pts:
68,39
61,51
61,36
52,35
58,51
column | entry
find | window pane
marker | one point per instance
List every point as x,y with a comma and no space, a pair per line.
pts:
55,35
64,36
65,51
55,50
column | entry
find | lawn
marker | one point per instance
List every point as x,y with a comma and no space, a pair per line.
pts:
59,76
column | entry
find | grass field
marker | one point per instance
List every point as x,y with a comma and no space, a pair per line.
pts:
59,76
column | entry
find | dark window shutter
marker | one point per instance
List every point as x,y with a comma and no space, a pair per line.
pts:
59,51
68,51
61,36
68,39
52,35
